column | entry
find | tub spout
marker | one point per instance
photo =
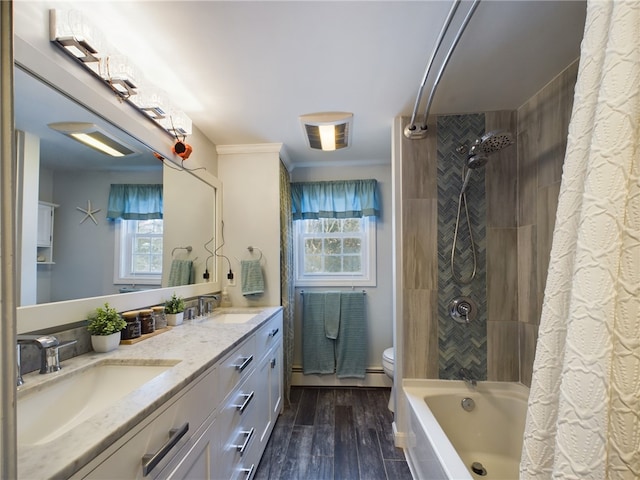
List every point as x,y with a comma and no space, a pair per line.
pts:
468,379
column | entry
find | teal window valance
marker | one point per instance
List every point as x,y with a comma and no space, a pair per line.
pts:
135,201
335,199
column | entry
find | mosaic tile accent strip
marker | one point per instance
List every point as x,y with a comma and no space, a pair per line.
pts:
461,345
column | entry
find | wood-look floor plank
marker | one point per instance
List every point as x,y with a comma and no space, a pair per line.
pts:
344,396
307,407
320,468
369,455
323,441
346,449
325,408
298,453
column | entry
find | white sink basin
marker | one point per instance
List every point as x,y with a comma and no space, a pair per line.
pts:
233,317
63,403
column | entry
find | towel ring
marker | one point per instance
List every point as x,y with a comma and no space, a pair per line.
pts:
188,248
250,248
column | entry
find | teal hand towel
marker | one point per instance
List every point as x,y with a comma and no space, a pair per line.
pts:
181,272
351,344
317,350
252,277
332,314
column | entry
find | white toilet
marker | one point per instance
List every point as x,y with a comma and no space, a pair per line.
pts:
388,365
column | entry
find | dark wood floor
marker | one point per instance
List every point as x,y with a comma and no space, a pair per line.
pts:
329,433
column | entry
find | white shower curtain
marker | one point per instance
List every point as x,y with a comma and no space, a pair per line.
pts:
583,420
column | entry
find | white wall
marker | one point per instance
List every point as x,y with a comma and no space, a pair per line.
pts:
84,252
250,176
379,300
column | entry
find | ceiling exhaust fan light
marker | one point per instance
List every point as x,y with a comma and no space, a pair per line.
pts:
327,131
91,136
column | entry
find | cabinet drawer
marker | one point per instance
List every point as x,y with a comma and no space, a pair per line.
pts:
237,365
269,335
188,412
237,426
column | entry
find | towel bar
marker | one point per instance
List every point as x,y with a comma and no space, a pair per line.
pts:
188,248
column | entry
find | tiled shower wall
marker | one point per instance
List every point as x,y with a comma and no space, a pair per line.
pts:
521,185
461,345
543,124
435,346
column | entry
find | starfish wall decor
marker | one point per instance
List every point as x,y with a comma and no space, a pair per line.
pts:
88,212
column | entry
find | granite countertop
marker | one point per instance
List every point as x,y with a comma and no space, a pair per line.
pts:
196,344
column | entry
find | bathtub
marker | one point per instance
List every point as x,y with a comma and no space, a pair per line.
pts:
448,442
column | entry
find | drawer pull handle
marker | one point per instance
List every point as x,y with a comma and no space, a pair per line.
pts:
245,362
273,363
150,460
245,404
274,332
248,471
243,447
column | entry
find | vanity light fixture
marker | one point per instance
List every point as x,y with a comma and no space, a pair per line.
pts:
70,30
327,131
91,136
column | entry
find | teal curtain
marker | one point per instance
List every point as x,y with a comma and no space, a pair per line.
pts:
135,201
335,199
287,287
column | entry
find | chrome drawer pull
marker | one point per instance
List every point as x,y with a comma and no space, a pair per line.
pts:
274,332
245,404
243,447
245,362
273,363
248,471
150,460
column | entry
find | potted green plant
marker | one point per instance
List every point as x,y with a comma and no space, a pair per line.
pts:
174,310
104,326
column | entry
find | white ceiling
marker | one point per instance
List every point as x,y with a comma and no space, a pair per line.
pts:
245,70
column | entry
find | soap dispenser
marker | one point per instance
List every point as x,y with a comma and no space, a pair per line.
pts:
225,300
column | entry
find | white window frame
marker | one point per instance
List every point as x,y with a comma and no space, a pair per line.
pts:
122,258
368,261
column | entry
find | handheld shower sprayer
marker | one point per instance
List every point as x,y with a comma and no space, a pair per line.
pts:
477,157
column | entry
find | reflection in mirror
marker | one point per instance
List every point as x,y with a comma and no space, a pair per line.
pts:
68,246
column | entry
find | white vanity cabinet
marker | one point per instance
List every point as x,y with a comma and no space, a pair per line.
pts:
230,411
170,434
270,375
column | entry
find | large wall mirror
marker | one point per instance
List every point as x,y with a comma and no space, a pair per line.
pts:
71,180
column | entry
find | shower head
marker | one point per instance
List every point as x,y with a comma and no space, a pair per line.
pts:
476,161
493,141
489,143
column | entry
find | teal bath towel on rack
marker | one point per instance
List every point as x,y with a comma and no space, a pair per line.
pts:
351,342
334,334
252,277
317,350
181,273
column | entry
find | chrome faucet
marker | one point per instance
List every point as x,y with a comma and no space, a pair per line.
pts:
49,358
201,303
468,379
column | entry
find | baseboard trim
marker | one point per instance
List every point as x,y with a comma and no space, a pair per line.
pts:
373,378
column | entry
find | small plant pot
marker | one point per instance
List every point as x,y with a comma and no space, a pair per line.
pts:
174,319
105,343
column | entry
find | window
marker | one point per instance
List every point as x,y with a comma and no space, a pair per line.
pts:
138,252
335,252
